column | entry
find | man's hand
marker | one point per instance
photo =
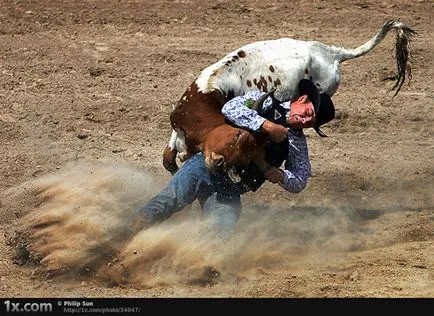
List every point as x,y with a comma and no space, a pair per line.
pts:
274,175
277,132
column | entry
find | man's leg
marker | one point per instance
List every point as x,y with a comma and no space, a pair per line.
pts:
191,181
223,207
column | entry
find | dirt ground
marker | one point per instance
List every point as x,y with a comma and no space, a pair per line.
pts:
86,88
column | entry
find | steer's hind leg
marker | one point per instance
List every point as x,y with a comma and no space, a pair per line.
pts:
169,160
175,148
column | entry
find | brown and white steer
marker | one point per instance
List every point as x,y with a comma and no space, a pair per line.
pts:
197,122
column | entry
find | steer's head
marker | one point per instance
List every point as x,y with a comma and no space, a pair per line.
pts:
226,146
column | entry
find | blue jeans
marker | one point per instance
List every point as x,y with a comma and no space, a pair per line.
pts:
218,196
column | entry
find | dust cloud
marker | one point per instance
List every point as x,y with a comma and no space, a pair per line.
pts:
81,222
82,214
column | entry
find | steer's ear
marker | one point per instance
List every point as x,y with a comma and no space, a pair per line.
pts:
257,106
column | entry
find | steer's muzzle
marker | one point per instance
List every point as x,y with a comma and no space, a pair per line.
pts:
215,162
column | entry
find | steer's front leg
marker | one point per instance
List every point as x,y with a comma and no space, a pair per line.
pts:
262,165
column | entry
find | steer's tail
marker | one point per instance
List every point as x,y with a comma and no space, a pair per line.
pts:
404,35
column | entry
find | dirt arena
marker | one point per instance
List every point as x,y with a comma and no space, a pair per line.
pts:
86,88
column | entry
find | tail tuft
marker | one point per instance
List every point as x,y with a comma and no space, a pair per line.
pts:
404,36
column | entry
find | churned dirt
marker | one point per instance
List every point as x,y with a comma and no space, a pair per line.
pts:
86,88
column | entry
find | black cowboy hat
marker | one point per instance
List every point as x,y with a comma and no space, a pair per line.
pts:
322,103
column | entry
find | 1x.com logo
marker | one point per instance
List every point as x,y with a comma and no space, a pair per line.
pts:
27,307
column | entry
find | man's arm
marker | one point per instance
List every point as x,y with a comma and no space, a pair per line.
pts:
237,111
297,166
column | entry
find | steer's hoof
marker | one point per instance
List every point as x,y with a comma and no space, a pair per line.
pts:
182,157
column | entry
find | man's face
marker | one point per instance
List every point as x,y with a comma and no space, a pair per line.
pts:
302,113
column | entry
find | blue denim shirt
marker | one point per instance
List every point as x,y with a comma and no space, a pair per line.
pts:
297,168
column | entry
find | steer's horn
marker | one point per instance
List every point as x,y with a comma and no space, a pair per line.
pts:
257,106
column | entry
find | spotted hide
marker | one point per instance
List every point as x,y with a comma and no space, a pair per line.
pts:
263,65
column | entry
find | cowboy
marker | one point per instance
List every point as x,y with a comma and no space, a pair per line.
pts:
286,151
